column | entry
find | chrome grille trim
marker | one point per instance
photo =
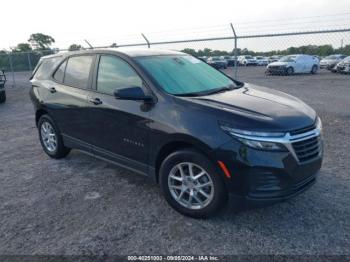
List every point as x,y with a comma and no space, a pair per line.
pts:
287,140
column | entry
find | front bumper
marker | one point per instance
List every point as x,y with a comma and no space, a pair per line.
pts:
276,70
264,177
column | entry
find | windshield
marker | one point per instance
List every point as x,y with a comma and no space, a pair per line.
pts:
288,59
183,74
216,59
332,57
248,57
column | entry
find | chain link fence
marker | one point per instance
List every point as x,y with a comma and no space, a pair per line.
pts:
19,65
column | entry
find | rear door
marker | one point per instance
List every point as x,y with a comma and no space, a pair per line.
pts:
121,126
69,105
300,64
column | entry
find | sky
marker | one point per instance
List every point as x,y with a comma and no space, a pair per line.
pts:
103,22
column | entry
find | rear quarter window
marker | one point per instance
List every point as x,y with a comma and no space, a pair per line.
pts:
45,68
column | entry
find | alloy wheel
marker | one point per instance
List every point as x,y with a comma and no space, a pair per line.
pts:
48,136
190,185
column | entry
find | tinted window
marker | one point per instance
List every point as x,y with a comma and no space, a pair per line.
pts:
59,74
46,67
114,73
77,71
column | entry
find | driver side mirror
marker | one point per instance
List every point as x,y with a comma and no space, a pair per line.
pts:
132,93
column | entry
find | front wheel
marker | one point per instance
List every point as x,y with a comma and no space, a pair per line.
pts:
191,184
50,138
289,71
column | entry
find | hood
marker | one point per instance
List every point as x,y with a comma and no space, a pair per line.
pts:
258,108
328,61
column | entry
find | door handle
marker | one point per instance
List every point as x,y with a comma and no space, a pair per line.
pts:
95,101
52,90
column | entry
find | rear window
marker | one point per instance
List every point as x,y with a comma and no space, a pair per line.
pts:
45,67
78,71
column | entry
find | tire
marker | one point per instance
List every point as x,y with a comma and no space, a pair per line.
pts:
289,71
51,141
2,97
216,194
314,69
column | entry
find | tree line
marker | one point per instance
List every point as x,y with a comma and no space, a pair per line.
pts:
24,56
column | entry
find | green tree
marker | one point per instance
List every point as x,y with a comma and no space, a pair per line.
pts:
41,41
189,51
22,47
74,47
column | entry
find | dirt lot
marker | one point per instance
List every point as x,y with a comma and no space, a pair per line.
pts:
80,205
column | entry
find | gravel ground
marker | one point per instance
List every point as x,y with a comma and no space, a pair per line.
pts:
80,205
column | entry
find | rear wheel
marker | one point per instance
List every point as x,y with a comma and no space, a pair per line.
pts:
191,185
50,138
314,69
2,97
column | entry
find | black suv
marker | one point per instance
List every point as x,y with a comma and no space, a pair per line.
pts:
198,133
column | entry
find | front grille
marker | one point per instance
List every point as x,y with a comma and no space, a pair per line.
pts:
276,67
307,149
302,130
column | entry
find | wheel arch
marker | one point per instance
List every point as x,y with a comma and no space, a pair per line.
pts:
40,112
175,145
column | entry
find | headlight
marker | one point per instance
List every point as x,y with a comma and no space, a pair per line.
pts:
257,140
319,124
262,145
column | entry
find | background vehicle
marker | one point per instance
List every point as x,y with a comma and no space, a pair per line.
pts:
2,87
203,58
246,60
330,61
294,64
343,66
261,60
274,58
229,59
217,62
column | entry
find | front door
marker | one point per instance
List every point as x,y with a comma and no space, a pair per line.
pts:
120,126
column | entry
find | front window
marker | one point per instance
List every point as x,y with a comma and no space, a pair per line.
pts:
184,75
114,73
290,58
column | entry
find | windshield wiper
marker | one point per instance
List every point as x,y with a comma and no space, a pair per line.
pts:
220,90
210,92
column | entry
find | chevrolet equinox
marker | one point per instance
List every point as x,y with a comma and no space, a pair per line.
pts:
198,133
